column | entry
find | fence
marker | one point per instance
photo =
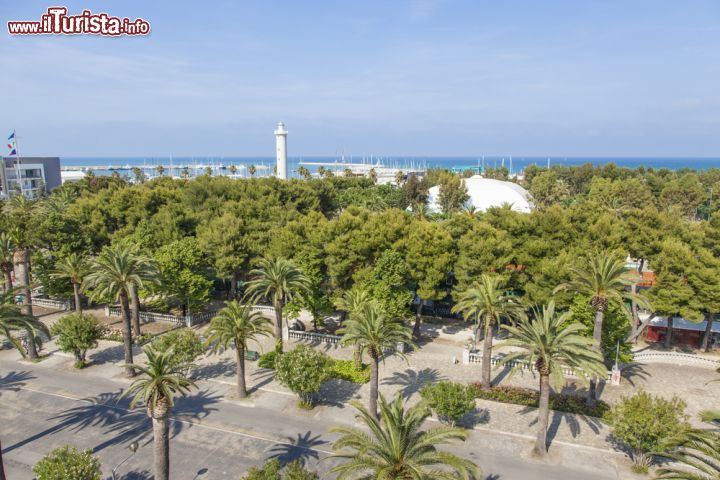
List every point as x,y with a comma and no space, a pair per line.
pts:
314,337
496,361
53,304
187,320
676,358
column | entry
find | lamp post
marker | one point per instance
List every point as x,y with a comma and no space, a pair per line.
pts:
133,448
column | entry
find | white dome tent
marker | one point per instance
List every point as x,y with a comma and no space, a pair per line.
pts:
487,193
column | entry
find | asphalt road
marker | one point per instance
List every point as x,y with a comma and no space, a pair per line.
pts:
44,406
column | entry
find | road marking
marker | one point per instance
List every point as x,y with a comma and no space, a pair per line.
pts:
174,419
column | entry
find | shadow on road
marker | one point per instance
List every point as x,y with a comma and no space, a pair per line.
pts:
411,381
110,412
300,448
13,381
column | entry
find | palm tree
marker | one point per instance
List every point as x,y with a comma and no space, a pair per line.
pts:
12,319
237,324
160,170
550,345
20,209
372,174
606,281
252,170
74,268
185,173
112,275
278,280
351,303
487,303
149,273
304,172
375,333
233,169
162,377
397,448
7,249
697,451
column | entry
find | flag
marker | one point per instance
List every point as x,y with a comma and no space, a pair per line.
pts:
10,146
12,135
12,152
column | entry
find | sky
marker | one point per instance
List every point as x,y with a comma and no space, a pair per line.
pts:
393,77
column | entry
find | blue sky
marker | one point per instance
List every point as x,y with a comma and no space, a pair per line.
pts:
393,77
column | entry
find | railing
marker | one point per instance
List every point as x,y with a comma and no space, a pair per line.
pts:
673,357
314,337
187,320
497,361
53,304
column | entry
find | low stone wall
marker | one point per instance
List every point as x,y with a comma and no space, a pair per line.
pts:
676,358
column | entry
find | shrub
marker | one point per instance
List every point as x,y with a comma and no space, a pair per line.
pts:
346,370
67,463
188,346
267,360
450,400
531,398
272,471
302,370
643,422
77,333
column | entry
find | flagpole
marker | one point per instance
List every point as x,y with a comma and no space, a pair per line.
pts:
17,161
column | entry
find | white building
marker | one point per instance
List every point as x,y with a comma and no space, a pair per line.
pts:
28,174
487,193
281,150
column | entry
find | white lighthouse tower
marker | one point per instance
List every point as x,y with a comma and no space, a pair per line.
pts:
281,146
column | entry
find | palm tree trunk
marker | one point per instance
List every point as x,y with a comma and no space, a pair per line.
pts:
634,310
21,265
241,387
708,331
135,310
76,292
8,281
374,366
418,312
668,334
487,354
2,468
597,336
543,415
357,356
127,333
233,285
278,325
161,448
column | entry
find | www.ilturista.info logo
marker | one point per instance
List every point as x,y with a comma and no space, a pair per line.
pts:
57,22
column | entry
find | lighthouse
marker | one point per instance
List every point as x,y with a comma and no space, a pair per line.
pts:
281,147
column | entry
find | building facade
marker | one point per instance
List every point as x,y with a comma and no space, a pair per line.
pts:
26,175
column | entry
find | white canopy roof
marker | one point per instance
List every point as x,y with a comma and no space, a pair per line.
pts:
682,324
487,193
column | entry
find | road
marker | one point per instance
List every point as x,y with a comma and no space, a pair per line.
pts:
43,406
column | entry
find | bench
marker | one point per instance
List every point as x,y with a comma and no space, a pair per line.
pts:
251,355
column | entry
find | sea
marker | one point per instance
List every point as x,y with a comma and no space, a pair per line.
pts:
264,165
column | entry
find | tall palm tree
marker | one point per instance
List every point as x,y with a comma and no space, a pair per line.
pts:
487,303
233,169
397,448
161,378
21,211
160,170
74,268
351,303
277,280
148,272
548,344
12,319
237,324
7,250
304,172
112,275
252,170
607,282
375,333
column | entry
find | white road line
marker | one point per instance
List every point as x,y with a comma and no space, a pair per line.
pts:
187,422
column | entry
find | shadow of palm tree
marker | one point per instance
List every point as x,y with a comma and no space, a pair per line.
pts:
634,371
121,425
337,392
138,475
223,368
113,354
302,448
411,381
13,381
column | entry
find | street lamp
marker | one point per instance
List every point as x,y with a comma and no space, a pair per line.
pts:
133,448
